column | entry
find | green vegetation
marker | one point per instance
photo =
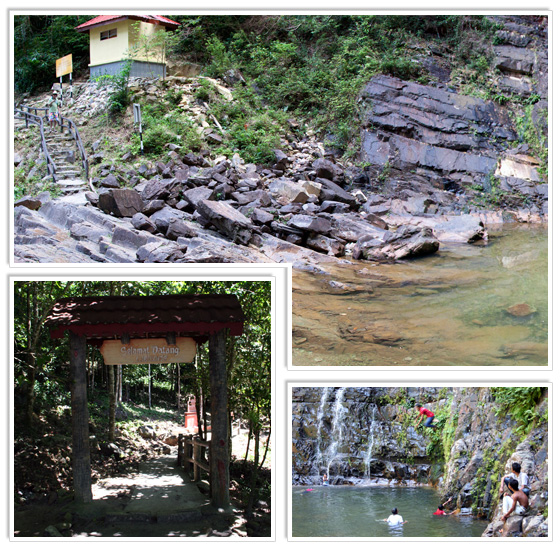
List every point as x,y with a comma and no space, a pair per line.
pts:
119,97
39,40
532,132
311,67
521,404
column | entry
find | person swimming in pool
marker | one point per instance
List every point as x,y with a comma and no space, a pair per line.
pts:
395,519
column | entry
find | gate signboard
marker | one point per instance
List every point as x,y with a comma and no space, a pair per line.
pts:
144,351
64,65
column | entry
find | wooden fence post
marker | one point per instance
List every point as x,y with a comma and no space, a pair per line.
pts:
81,467
219,448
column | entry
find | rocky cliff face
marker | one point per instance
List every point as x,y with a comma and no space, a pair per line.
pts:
437,150
358,434
365,435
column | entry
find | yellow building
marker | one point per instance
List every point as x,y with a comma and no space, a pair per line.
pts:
115,38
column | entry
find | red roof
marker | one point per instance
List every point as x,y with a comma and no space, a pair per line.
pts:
104,19
99,317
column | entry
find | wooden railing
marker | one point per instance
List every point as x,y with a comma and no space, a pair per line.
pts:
28,111
34,118
192,455
73,130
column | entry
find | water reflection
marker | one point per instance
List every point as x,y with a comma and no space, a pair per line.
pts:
457,307
359,512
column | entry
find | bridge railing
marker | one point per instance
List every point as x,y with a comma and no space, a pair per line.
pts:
192,455
31,116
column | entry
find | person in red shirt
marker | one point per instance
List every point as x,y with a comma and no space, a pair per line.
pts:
440,511
428,414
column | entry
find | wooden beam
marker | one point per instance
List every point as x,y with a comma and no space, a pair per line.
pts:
81,467
219,447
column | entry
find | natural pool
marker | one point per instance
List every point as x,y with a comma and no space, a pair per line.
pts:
343,511
446,309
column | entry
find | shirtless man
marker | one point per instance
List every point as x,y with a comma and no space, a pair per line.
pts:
517,503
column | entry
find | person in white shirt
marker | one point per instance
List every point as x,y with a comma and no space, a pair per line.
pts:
394,519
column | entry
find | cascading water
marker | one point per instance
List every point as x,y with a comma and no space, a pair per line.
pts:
336,435
320,414
374,427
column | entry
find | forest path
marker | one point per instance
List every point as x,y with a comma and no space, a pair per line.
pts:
158,501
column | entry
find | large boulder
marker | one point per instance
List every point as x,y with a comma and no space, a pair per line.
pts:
460,229
123,203
227,220
406,242
287,191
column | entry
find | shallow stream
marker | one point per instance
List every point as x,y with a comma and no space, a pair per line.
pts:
442,310
359,512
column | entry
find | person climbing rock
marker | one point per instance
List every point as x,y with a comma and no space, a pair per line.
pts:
440,511
54,104
395,519
517,503
422,411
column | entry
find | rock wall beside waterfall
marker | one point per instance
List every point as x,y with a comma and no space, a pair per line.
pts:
375,441
484,446
393,451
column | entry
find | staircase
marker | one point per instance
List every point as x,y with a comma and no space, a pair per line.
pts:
63,150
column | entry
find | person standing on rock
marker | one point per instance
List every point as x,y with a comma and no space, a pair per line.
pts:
430,416
517,503
54,105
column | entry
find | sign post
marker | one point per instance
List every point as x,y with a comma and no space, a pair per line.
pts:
138,120
145,351
63,67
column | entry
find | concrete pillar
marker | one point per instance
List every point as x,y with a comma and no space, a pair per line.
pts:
81,466
219,448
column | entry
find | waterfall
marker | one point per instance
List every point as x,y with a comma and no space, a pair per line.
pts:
336,434
320,415
373,430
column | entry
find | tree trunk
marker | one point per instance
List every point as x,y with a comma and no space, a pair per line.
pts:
219,448
149,386
178,387
111,389
266,448
81,467
249,509
248,442
119,384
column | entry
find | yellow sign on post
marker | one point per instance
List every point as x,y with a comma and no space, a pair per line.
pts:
64,65
143,351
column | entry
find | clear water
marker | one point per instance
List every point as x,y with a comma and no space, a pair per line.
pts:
359,512
446,309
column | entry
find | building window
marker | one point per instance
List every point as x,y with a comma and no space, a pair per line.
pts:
111,33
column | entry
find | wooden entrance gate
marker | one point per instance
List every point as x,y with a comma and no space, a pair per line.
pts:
95,320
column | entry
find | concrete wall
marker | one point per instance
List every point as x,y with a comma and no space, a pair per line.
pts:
138,69
106,52
113,49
